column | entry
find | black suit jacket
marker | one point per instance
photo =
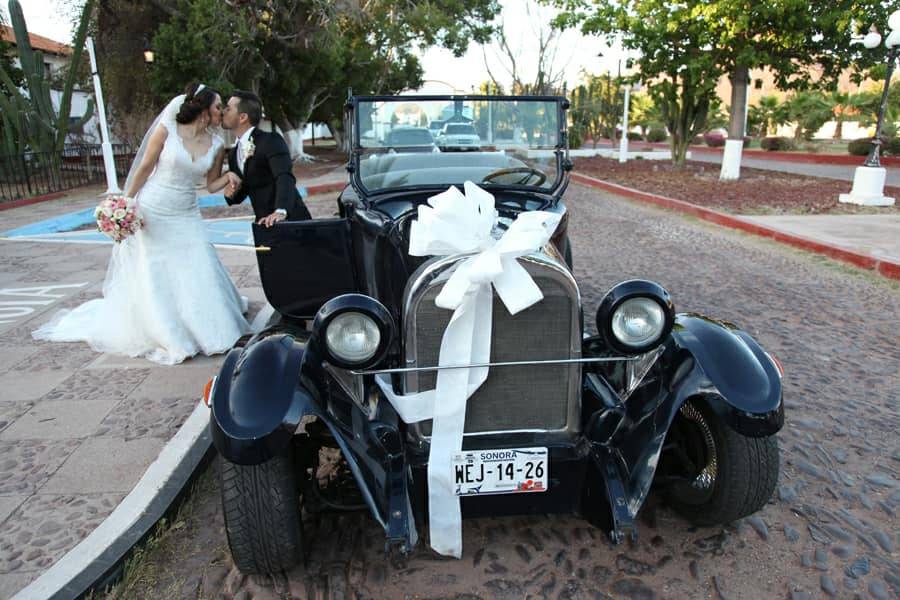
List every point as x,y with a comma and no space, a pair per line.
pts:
267,178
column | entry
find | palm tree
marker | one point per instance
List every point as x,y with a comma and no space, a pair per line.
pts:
769,113
809,110
842,108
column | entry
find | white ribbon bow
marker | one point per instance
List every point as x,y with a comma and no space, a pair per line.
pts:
459,224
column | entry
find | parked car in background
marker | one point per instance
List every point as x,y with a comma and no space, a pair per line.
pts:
435,127
458,136
410,139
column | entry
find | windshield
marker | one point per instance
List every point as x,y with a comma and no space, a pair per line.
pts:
496,142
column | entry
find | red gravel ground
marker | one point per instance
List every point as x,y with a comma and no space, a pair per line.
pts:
757,192
327,158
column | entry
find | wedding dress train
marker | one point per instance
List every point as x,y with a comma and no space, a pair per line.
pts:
166,295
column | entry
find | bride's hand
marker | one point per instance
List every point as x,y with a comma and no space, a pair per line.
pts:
234,182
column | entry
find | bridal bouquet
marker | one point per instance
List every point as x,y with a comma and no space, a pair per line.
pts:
117,217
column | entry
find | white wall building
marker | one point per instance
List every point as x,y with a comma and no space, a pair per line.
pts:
56,57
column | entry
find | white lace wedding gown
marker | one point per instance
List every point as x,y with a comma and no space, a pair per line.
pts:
166,296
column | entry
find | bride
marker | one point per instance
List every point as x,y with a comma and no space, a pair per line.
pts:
166,296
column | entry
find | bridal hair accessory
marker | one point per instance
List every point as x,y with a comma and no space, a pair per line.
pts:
453,224
199,89
117,217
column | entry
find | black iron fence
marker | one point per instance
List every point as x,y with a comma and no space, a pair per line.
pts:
36,173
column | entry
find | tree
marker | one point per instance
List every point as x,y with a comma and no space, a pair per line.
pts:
596,106
8,133
302,56
671,46
548,77
31,120
769,113
810,111
694,42
866,104
644,113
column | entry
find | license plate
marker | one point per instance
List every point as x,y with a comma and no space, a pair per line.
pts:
506,471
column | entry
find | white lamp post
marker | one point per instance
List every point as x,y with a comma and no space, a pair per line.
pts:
109,162
868,180
623,142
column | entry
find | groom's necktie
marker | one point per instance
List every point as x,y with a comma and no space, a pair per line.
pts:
239,155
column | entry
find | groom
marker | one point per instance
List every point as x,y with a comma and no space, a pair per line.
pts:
262,163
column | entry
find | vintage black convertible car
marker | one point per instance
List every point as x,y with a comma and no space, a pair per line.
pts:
566,421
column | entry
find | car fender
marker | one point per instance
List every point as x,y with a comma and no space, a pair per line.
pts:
730,370
257,403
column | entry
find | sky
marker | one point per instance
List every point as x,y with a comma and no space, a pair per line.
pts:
444,73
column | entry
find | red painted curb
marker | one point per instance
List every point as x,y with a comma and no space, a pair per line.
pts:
797,157
33,200
885,268
324,188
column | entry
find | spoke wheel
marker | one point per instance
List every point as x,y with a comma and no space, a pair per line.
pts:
719,475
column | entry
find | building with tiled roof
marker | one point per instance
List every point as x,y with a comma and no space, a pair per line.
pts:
38,42
56,57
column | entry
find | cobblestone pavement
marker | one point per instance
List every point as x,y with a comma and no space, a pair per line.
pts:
831,529
78,428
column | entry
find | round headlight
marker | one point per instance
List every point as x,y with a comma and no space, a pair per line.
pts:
353,337
638,322
635,316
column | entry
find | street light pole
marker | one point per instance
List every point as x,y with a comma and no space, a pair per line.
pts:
868,180
109,162
874,158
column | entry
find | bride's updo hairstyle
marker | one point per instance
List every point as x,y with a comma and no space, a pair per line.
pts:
195,103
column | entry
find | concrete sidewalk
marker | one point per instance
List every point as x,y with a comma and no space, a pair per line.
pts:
843,172
875,235
77,428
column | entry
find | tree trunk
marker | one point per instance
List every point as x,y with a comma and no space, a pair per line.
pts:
734,145
839,130
294,139
339,138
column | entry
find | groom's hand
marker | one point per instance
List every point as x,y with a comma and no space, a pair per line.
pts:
273,218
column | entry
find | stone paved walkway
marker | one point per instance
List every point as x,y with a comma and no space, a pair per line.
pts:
831,530
78,428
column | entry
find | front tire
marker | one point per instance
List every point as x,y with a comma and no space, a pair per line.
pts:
261,504
730,475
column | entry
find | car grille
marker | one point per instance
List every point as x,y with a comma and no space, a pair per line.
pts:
516,398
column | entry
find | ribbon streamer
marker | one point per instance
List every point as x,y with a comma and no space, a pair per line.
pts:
455,224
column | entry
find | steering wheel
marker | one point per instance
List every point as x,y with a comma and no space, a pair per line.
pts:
527,171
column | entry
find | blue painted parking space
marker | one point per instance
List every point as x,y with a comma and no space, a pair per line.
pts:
230,232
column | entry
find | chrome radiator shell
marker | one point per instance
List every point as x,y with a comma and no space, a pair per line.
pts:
517,399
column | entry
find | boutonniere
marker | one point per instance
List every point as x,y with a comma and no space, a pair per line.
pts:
250,149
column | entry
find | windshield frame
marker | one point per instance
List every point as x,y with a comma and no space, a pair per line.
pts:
560,150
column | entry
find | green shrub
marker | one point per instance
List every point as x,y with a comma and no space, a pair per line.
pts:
860,147
698,139
634,136
657,135
892,146
576,138
777,144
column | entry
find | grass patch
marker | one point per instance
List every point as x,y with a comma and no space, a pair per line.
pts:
156,567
